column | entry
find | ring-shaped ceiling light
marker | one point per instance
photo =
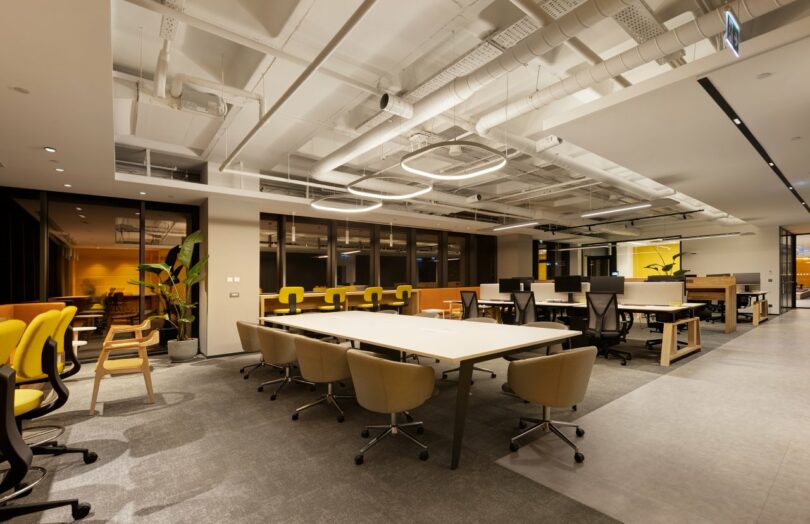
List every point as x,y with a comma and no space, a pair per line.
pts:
340,204
497,164
420,188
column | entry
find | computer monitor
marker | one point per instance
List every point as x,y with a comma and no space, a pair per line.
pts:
607,285
508,285
747,278
570,284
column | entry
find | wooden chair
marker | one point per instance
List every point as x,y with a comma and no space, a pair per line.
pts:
139,364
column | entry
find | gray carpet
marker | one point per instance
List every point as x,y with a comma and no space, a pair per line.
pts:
213,449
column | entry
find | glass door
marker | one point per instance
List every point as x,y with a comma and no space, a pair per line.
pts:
790,295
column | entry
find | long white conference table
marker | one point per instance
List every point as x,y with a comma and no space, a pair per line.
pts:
464,342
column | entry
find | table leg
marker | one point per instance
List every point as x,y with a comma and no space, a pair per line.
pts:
462,399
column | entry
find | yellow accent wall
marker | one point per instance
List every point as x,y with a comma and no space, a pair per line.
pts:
646,255
802,272
107,268
541,271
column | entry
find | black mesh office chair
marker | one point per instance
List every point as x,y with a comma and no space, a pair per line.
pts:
469,305
18,455
605,326
525,308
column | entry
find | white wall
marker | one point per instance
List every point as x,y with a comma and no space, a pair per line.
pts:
515,257
757,253
624,259
231,228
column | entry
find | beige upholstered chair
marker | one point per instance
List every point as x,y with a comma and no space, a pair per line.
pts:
552,349
278,349
553,381
250,344
391,387
485,320
322,363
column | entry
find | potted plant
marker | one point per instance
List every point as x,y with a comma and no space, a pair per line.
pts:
666,268
175,293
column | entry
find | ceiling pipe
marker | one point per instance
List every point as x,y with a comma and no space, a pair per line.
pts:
325,53
251,43
536,13
214,88
705,26
162,69
462,88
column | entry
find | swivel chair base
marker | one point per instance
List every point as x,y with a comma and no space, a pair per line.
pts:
330,399
50,446
547,425
475,368
78,510
247,370
288,378
392,429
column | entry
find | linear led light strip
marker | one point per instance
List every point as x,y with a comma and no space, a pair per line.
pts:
600,212
451,143
515,226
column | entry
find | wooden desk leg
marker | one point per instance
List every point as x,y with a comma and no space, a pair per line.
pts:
462,399
669,340
760,312
755,317
731,316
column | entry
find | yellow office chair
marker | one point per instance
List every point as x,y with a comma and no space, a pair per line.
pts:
350,288
319,289
139,364
35,356
372,297
11,332
335,297
292,296
403,297
64,349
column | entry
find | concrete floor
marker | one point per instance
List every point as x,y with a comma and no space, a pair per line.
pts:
723,438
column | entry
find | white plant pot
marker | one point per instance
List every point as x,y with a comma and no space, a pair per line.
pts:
182,350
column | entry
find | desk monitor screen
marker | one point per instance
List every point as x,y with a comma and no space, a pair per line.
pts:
747,278
572,284
508,285
719,275
607,285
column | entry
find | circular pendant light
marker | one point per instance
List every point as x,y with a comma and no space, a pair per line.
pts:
419,188
342,204
455,147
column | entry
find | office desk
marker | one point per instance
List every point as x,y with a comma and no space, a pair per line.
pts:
269,301
759,305
723,289
464,342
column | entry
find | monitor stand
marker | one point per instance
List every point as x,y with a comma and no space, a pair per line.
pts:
570,298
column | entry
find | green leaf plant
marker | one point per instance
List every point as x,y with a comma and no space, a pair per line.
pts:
178,307
666,268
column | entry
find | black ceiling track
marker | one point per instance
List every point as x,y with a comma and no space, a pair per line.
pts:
553,228
738,122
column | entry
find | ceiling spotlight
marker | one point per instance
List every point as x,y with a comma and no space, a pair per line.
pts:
82,216
49,149
737,121
137,213
514,226
78,209
619,209
790,187
770,164
68,185
60,170
142,193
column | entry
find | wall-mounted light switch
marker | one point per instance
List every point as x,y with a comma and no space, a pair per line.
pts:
234,294
230,280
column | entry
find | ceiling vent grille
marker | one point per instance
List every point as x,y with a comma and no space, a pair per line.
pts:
557,8
640,23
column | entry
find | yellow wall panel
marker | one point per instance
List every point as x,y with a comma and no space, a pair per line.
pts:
646,255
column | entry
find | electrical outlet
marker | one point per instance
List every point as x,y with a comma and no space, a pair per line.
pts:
230,280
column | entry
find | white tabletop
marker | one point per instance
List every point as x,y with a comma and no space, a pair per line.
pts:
752,293
431,337
643,308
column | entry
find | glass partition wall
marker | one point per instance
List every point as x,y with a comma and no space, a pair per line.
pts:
324,253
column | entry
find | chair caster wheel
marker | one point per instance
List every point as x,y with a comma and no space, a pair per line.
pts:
579,457
420,430
624,362
295,416
574,407
260,389
341,418
80,511
444,376
493,375
365,434
358,459
90,457
424,455
580,432
245,377
521,424
513,446
273,397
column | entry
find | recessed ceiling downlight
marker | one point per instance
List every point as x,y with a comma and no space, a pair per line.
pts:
342,204
60,170
49,149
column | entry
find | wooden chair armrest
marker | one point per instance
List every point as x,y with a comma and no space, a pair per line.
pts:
133,343
126,328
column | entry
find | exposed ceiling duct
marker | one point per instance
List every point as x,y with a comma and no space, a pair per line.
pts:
705,26
462,88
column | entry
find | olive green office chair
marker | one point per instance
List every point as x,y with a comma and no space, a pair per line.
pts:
372,297
292,296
